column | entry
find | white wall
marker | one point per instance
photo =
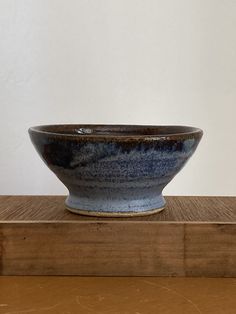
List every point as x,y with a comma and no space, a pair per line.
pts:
118,61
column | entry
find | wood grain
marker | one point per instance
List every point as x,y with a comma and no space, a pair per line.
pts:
179,208
193,236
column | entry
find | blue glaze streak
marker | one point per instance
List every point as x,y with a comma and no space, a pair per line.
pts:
112,177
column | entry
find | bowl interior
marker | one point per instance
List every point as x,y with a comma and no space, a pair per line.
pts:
116,130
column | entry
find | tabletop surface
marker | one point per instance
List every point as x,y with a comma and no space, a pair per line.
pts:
124,295
178,209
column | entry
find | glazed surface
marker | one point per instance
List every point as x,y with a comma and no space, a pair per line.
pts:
98,131
110,175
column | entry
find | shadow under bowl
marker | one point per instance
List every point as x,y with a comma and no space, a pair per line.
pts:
115,170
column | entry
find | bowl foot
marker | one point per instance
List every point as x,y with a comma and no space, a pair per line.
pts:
114,214
115,207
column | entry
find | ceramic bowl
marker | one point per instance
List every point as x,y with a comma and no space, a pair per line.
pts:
115,170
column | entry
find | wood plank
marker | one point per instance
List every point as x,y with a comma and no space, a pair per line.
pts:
210,250
196,237
91,249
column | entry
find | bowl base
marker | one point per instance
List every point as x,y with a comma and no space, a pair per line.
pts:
114,214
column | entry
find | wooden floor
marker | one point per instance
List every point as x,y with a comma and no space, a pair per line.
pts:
88,295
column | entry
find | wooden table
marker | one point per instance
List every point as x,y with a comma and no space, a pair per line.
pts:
193,236
120,295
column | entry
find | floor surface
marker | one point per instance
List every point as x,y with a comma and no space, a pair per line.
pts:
127,295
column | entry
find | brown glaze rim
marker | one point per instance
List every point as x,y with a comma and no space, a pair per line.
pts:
187,132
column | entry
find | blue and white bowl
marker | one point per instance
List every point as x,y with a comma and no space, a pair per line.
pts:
115,170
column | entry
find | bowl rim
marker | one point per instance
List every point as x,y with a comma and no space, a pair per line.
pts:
188,132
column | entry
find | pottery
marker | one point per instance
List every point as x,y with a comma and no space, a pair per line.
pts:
115,170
